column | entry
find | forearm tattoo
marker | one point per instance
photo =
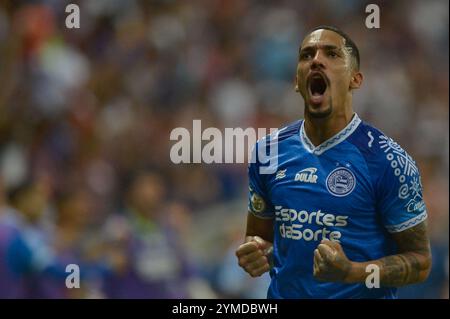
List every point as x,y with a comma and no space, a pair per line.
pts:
413,262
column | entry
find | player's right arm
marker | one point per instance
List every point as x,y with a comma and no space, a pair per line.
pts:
254,255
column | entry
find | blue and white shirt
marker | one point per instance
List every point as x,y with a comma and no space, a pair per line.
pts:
355,188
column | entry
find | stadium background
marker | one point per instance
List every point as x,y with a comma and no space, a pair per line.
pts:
85,118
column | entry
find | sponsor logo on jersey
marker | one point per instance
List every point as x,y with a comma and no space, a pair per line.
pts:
281,174
307,175
309,226
341,182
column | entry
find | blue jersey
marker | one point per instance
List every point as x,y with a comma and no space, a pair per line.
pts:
355,188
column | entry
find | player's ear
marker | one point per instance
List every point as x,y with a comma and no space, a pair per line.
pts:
356,80
296,84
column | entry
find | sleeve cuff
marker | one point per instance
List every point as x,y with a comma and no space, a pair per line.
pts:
259,216
407,224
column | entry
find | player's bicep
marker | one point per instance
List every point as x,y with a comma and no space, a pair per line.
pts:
258,197
414,239
262,227
414,249
261,212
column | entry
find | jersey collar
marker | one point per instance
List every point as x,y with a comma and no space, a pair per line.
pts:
332,141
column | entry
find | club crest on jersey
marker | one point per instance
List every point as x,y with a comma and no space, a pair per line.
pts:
341,182
307,175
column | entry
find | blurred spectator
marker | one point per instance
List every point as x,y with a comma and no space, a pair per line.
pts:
154,266
73,244
12,279
26,246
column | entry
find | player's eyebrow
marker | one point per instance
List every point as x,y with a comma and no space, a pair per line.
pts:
326,47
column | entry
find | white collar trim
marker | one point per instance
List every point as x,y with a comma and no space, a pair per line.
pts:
332,141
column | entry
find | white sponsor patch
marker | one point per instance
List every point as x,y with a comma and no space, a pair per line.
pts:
307,175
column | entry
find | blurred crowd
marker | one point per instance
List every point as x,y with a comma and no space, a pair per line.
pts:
86,115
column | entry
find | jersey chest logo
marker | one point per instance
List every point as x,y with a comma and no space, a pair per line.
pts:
341,182
307,175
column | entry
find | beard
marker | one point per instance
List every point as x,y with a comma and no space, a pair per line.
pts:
319,113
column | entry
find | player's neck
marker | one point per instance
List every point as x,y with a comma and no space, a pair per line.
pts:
319,130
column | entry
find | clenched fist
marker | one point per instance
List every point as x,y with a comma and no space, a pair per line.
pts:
330,262
253,255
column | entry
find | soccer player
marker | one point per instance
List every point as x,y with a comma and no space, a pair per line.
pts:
345,201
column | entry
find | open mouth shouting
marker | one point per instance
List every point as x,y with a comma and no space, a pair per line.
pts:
317,87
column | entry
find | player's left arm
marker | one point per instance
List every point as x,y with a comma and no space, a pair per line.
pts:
411,265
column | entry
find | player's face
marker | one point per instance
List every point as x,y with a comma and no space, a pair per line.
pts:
324,72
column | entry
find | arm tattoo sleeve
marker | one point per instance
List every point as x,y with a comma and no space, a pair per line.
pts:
413,262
